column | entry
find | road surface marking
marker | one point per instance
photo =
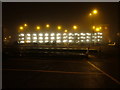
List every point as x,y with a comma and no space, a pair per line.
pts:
51,71
104,73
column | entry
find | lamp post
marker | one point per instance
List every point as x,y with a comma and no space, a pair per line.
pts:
75,27
21,28
47,25
38,27
25,25
59,27
95,11
92,15
66,31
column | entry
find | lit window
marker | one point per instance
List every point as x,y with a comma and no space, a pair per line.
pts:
52,37
28,41
99,36
46,38
95,37
40,41
40,37
34,37
76,33
58,34
64,40
51,41
46,34
28,34
88,33
34,41
52,34
21,34
99,33
98,40
70,40
70,34
82,34
82,37
40,34
58,37
70,37
21,38
64,34
87,36
22,42
82,40
64,37
87,40
95,33
34,34
58,41
28,38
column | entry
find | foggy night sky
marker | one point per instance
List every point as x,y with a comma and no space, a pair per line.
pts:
65,14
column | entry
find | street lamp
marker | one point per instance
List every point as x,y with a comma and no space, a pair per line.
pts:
21,27
38,27
66,30
93,27
74,27
25,25
100,27
47,25
59,27
90,14
97,29
95,11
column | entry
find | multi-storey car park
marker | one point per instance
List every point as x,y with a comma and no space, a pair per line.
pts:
40,41
58,35
59,38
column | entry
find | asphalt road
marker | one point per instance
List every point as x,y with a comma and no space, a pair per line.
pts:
99,71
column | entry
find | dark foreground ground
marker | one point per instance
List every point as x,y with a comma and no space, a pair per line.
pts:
98,71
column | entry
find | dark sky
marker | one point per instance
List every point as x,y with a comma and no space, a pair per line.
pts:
66,14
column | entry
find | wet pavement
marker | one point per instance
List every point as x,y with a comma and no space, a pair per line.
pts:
98,71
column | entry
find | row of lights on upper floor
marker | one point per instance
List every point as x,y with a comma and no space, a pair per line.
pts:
98,28
94,12
47,26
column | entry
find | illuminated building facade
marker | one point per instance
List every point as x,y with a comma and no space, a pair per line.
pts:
59,38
